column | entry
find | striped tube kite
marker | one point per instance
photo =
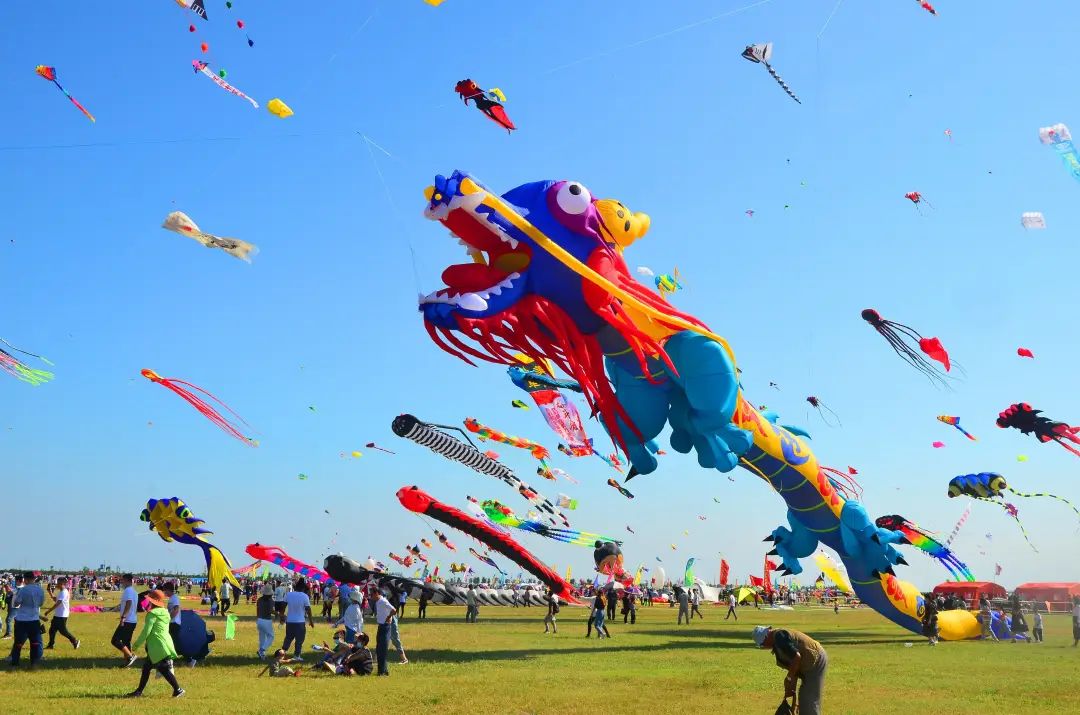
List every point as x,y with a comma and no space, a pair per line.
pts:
172,520
761,54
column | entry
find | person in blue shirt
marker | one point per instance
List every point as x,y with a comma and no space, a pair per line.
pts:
28,601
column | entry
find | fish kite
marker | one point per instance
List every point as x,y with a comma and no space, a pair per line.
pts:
189,393
761,54
49,73
17,368
955,422
926,542
821,407
621,489
1060,139
1028,420
668,283
204,68
489,102
179,222
172,520
902,339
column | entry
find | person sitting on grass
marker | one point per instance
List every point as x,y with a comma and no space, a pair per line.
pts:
350,659
279,668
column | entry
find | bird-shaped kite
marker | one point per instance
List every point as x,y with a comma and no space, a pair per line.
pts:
489,102
955,422
179,222
903,339
49,73
761,54
1028,420
195,400
17,368
172,520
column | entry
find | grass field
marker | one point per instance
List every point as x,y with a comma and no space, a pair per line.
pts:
505,664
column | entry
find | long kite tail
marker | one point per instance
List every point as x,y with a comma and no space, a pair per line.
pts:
1042,494
180,387
75,102
218,568
967,434
1017,518
17,368
781,82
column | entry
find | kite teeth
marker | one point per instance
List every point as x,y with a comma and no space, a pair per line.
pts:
471,301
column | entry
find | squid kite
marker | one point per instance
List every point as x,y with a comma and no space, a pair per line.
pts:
955,422
489,102
49,73
179,222
902,339
1028,420
761,54
916,198
182,388
17,368
926,542
204,68
822,408
172,520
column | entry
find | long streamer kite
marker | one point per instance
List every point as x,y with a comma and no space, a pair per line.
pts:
204,68
1028,420
955,422
484,432
559,412
926,542
17,368
502,514
195,400
416,500
49,73
761,54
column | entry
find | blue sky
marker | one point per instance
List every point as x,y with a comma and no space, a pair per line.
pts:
675,124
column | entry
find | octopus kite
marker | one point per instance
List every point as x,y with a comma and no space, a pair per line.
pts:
902,339
172,520
822,408
1028,420
928,544
181,388
18,369
917,199
489,102
181,223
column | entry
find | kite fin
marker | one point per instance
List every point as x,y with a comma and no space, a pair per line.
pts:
218,568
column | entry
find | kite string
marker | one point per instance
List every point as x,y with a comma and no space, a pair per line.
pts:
393,205
829,19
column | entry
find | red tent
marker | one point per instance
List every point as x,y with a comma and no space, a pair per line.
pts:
1056,593
971,591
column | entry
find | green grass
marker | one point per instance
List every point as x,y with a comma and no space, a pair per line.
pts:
505,664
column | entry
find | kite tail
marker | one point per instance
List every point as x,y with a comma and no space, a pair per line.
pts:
1017,518
967,434
1041,494
218,568
76,103
16,368
781,82
1071,437
238,249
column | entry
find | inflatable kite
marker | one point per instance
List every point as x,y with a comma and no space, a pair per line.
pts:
608,559
1025,418
419,502
277,556
822,408
18,369
181,223
172,520
559,412
449,446
182,388
928,544
1059,139
547,283
489,102
668,283
761,54
344,570
903,339
502,514
49,73
203,68
955,422
484,433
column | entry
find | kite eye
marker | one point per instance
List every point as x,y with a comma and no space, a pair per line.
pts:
184,513
573,198
145,516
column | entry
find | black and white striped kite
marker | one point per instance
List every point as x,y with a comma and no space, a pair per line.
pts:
761,54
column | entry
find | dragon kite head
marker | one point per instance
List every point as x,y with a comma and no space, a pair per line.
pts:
468,89
172,520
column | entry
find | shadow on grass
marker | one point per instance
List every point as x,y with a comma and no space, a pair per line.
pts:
456,656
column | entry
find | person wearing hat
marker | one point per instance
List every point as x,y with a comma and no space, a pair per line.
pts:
264,619
160,651
353,617
803,658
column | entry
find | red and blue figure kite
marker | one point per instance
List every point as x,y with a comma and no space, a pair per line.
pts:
928,544
489,102
1028,420
49,73
955,422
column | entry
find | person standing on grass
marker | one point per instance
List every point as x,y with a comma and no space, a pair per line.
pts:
684,605
129,617
60,609
552,611
599,612
1037,629
987,618
9,601
612,604
731,606
279,601
629,607
395,635
353,618
930,622
470,604
803,658
421,611
695,603
297,611
226,597
173,607
1076,620
264,619
327,602
384,613
403,597
1019,624
160,650
343,600
28,601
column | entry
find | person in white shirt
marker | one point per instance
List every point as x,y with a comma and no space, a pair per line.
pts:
353,618
226,594
60,609
129,618
297,611
384,614
731,607
471,609
173,606
279,601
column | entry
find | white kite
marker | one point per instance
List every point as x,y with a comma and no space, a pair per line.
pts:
179,222
1032,219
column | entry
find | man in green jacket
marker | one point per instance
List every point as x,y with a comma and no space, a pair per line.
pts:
159,645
